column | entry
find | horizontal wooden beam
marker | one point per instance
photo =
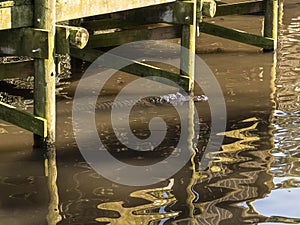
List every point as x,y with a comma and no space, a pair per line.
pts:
25,120
173,13
20,14
22,2
209,8
126,36
106,24
237,35
16,69
16,16
24,42
70,9
70,36
6,4
33,42
135,67
240,8
180,12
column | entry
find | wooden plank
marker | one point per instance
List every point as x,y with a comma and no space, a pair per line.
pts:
23,2
70,9
240,8
271,22
16,17
16,69
21,15
122,37
23,119
45,72
24,42
106,24
6,4
173,13
5,15
237,35
135,67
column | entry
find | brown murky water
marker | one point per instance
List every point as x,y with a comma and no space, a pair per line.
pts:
254,178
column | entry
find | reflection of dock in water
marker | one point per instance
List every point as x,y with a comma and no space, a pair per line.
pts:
238,174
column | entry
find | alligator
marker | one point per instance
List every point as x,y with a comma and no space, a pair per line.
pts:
172,99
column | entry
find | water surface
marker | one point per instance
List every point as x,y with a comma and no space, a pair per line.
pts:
253,178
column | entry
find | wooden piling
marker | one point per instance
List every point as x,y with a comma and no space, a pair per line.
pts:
188,41
44,80
270,21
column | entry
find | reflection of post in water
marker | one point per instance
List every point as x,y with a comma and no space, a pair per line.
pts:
53,216
286,96
190,143
237,175
186,215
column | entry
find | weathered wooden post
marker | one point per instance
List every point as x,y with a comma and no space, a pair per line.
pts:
44,80
270,21
188,41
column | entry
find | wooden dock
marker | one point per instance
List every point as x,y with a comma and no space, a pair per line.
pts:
42,28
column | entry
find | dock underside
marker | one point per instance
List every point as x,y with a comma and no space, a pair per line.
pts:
41,28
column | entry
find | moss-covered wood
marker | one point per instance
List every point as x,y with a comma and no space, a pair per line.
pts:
70,36
16,16
237,35
188,43
240,8
45,71
174,13
135,67
24,42
106,24
209,8
6,4
35,124
270,21
126,36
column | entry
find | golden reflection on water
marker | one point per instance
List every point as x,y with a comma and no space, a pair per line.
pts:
159,199
53,216
238,175
242,177
286,120
243,135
